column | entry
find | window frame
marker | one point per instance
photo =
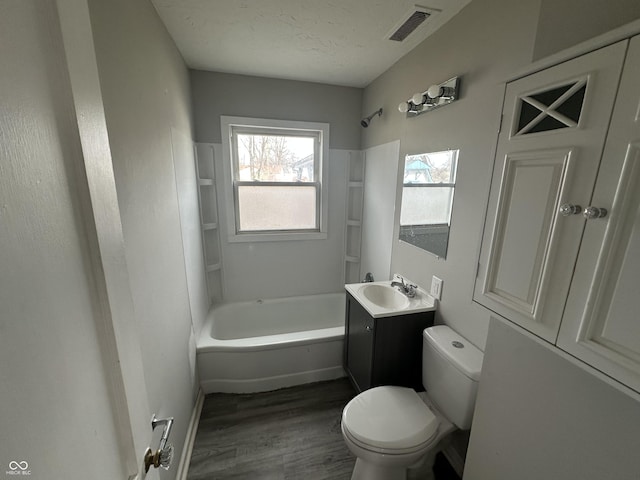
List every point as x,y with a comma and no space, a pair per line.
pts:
231,127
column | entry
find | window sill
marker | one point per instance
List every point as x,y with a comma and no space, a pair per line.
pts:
276,237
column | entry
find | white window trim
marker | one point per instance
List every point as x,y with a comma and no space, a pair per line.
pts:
226,122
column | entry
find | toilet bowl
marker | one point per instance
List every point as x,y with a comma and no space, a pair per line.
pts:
391,428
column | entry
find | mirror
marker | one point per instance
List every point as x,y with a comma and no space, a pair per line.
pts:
427,199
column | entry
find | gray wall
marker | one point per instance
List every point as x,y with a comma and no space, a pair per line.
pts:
216,94
566,23
279,269
488,41
145,87
253,270
484,43
538,415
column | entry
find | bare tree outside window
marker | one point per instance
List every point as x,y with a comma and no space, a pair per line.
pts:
276,186
269,158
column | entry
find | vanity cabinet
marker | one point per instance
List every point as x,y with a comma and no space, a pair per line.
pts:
383,351
560,255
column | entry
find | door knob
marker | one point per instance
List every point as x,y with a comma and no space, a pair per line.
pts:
163,456
160,459
567,209
594,212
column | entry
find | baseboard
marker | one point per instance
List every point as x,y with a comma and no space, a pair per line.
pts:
187,450
254,385
454,458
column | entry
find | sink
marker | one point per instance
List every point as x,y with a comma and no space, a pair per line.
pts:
385,296
380,299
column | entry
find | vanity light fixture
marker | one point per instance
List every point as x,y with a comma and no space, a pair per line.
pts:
435,96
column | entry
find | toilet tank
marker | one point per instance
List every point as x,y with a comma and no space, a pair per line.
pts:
450,373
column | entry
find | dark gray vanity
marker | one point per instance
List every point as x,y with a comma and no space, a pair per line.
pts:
384,347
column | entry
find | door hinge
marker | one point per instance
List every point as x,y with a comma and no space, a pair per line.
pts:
478,270
501,119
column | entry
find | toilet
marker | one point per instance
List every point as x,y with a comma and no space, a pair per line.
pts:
390,429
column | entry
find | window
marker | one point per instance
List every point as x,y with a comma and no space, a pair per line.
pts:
551,109
277,179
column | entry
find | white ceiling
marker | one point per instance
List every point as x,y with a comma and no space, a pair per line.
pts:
339,42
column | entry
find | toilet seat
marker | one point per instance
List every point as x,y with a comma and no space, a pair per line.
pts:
390,420
388,452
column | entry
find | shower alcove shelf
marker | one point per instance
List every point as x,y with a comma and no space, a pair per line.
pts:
205,170
354,209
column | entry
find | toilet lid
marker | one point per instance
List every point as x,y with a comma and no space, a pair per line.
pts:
389,417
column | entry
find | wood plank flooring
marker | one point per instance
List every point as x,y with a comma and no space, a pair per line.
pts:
286,434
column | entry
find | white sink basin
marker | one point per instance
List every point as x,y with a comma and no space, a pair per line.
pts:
384,296
380,299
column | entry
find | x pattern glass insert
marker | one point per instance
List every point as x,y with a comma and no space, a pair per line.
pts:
552,109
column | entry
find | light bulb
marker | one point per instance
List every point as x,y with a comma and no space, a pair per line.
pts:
403,107
434,91
418,99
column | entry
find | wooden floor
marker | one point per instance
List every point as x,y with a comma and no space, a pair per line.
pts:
290,434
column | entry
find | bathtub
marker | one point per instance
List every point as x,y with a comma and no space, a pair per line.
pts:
268,344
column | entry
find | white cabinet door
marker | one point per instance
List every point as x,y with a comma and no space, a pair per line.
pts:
601,324
549,148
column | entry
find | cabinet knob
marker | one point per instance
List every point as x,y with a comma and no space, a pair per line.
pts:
594,212
368,328
567,209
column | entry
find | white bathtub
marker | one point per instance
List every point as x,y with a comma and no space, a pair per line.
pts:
268,344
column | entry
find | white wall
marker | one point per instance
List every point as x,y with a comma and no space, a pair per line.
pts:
55,406
381,168
145,88
538,415
187,190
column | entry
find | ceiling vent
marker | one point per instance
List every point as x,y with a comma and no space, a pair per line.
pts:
415,17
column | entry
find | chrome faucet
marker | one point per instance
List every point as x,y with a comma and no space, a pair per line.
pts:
407,288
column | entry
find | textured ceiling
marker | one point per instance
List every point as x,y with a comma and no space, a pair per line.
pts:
340,42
